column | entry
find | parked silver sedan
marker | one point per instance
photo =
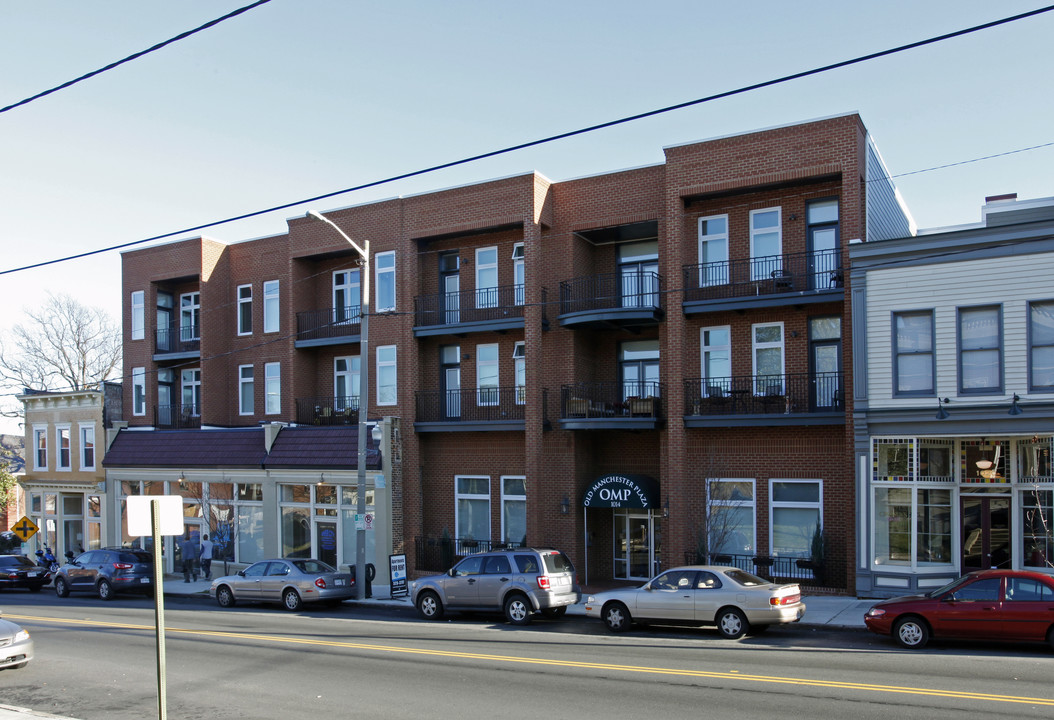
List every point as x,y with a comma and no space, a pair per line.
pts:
16,647
734,600
289,581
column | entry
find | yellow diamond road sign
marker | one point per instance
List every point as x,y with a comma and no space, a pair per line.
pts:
25,529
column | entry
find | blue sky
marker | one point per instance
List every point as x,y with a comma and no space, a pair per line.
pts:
299,98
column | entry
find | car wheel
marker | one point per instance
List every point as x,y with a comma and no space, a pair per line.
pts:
555,612
105,590
616,617
225,596
518,610
291,600
429,605
732,623
62,588
911,632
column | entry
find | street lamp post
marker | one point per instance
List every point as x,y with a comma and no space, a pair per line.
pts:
364,384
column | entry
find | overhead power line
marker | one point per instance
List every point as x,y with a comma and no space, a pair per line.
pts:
134,56
549,139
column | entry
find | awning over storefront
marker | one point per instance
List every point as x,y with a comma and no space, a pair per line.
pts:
622,491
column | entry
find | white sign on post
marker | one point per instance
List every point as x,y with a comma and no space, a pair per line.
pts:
171,514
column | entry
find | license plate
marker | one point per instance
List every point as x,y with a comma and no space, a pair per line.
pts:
35,573
144,580
338,581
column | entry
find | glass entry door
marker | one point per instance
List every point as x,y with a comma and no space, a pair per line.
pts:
636,544
326,541
986,533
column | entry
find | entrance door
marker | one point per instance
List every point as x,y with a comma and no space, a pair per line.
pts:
986,533
636,545
326,541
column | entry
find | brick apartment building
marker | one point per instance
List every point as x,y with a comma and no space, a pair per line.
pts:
638,367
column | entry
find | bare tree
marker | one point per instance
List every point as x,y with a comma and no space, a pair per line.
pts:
67,346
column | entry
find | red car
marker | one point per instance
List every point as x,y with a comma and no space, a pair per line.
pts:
987,604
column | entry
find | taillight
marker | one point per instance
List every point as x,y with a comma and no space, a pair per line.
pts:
122,566
320,583
786,600
12,576
543,582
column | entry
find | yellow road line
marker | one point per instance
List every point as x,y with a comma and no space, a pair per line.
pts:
679,672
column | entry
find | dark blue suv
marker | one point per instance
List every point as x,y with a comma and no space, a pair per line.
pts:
107,572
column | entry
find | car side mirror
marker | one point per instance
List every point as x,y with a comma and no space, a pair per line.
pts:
241,573
950,597
648,587
450,572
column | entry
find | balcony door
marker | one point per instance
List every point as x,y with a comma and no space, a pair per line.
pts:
346,297
825,358
821,217
165,340
639,369
450,380
639,274
450,281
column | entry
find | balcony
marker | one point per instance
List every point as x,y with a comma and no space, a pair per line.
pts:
328,326
328,410
176,417
471,410
177,342
611,406
793,279
480,310
766,400
613,301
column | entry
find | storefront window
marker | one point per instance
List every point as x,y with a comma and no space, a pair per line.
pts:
893,459
934,524
935,460
1034,460
796,516
296,532
250,533
892,526
730,517
909,517
1038,530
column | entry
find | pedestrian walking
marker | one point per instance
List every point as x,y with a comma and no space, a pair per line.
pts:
189,549
206,557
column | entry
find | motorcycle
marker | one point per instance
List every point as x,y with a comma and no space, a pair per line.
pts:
47,560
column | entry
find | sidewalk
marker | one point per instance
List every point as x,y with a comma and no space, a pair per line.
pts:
821,610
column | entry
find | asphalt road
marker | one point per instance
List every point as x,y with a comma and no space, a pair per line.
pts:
97,660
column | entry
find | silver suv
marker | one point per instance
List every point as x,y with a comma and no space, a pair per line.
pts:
518,582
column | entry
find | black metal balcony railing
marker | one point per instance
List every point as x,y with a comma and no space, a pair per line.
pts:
765,394
772,274
469,306
178,338
770,568
328,323
439,554
612,399
611,291
328,410
471,404
176,417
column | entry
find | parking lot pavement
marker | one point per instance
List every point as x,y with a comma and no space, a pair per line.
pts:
821,610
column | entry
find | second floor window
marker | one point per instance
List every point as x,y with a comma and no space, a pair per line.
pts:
138,315
139,391
40,448
385,276
980,350
768,359
64,458
87,448
270,306
246,390
716,354
387,387
245,309
346,381
766,244
913,359
1041,346
713,250
272,388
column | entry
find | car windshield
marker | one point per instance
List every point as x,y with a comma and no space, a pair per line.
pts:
744,578
954,584
557,562
311,567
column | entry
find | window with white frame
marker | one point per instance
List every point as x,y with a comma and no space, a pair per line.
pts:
980,350
913,358
766,244
87,444
713,250
796,515
346,374
1041,346
138,315
387,376
472,507
190,384
487,374
190,316
40,448
270,306
913,526
384,264
730,517
245,309
487,277
518,273
272,388
715,354
768,358
63,448
138,391
246,390
514,510
346,296
519,367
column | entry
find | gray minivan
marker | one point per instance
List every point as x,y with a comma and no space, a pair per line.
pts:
516,581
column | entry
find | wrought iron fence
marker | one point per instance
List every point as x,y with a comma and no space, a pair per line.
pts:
176,417
328,323
609,291
437,554
765,394
328,410
471,404
612,399
793,272
468,306
802,570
